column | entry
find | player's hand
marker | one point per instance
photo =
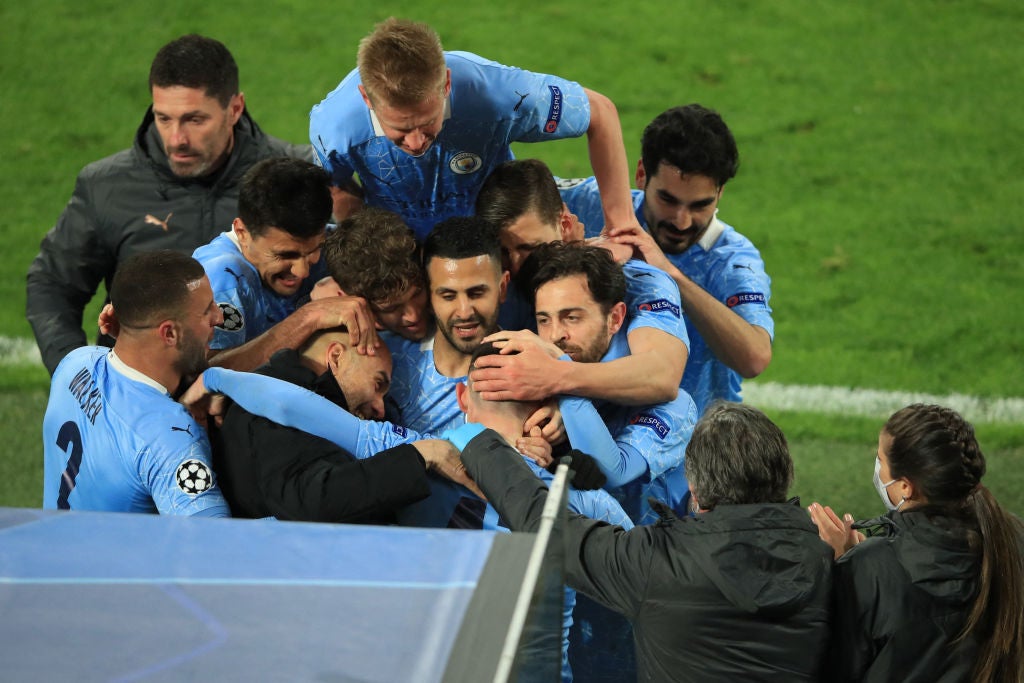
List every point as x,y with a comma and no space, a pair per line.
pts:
642,242
344,203
548,418
108,322
838,533
354,314
516,341
325,288
202,404
620,252
532,374
444,458
535,447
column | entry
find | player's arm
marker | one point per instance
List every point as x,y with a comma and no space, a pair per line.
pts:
651,374
63,277
352,312
291,405
744,347
603,561
588,433
608,160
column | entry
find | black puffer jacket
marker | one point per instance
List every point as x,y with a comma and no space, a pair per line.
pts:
901,599
736,594
128,203
265,469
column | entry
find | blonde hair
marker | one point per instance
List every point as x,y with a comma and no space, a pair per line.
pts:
401,63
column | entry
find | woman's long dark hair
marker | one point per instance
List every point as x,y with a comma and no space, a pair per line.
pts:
936,450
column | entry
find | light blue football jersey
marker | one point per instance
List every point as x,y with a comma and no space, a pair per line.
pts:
249,308
114,440
725,263
490,106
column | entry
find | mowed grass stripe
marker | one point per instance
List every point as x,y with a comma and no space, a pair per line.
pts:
876,403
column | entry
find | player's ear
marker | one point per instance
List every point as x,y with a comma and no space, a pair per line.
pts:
616,317
460,395
241,232
335,355
641,175
503,286
169,332
366,97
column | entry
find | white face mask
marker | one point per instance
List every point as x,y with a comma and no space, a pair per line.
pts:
881,488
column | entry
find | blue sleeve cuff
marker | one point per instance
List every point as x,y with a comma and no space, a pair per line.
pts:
462,435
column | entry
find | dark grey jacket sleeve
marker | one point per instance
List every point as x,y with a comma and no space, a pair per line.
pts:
62,279
606,562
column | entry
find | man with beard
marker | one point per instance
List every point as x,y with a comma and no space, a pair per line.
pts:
578,292
267,469
521,198
462,259
174,189
687,156
114,439
263,267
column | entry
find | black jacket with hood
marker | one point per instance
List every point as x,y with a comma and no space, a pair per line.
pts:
901,599
739,593
124,204
265,469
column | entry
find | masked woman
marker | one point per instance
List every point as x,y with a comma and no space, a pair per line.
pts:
935,592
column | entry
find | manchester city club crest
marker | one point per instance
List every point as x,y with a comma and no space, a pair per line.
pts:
465,162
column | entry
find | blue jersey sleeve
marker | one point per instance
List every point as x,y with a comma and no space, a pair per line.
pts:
183,482
652,299
292,406
588,432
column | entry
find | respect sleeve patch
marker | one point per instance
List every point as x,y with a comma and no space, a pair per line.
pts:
659,305
651,422
555,110
746,298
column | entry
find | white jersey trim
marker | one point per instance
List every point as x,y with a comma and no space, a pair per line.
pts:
131,373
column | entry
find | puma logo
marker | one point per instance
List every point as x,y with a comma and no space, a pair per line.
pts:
187,429
521,98
153,220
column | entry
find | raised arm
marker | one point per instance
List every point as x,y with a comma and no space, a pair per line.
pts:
608,160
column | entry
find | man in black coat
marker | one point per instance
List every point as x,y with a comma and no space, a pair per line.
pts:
739,591
175,188
266,469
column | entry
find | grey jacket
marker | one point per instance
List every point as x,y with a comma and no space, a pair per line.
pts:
127,203
738,593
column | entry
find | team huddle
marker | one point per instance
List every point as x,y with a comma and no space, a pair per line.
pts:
403,324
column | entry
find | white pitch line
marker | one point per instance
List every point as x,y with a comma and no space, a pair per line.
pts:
768,395
19,351
875,403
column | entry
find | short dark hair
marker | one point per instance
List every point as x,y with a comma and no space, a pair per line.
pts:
152,286
462,237
516,188
194,61
374,254
737,456
692,138
285,193
554,260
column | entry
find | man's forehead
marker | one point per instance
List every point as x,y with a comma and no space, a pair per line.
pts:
571,291
176,98
441,269
529,228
